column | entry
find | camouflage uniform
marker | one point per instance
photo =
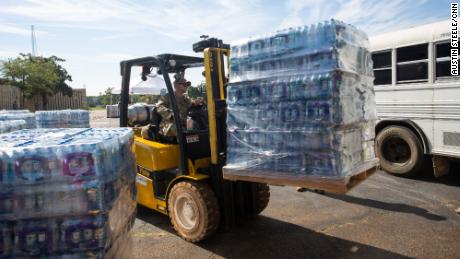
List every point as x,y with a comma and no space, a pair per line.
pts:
167,125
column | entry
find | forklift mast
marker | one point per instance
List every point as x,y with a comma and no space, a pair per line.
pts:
237,199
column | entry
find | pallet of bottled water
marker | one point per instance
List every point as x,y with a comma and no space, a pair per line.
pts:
12,125
25,115
14,111
113,111
301,108
62,119
66,193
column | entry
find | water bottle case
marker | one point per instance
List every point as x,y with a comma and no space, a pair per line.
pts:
32,169
8,116
79,166
87,233
12,125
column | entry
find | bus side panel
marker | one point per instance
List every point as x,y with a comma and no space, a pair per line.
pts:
407,101
446,114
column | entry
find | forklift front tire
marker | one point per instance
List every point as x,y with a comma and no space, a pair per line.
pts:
193,210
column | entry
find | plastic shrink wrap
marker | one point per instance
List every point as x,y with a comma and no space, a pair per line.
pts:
13,111
62,119
12,125
113,111
301,104
28,117
66,193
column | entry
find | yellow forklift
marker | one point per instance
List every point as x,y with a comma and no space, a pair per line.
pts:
182,177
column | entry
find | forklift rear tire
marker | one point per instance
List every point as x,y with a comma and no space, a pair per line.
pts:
262,197
193,210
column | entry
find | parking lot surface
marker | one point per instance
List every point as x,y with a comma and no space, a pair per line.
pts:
384,217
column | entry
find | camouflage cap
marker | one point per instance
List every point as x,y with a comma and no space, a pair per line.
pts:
181,80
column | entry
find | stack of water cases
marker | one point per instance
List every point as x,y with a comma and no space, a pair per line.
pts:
301,103
112,111
12,125
28,117
66,193
62,119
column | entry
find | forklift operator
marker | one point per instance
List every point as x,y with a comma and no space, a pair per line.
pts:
167,125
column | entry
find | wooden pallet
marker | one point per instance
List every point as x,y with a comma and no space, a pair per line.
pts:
329,184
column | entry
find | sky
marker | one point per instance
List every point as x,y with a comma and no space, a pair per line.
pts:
93,36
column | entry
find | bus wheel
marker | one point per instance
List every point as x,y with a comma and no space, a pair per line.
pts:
193,210
262,197
399,150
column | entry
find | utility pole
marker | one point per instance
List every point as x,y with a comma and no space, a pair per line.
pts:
34,41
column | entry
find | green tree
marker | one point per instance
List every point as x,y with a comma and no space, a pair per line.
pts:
107,98
194,92
37,76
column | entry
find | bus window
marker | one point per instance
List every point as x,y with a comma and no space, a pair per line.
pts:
412,64
382,67
443,60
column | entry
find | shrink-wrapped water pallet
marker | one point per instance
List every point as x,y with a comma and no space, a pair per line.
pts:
28,117
62,119
66,193
301,108
113,111
12,125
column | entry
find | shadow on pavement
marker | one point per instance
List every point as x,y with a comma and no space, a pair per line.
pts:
264,237
451,179
396,207
154,218
426,173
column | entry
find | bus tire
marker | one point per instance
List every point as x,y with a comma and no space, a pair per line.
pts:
262,197
399,150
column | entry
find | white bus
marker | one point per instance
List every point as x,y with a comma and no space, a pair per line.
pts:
418,101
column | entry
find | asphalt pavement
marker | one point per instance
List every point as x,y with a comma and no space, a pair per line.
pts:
384,217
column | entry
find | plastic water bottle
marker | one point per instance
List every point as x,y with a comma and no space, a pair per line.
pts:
280,90
256,47
234,94
269,116
291,115
35,237
253,93
82,233
297,88
6,204
31,168
6,239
